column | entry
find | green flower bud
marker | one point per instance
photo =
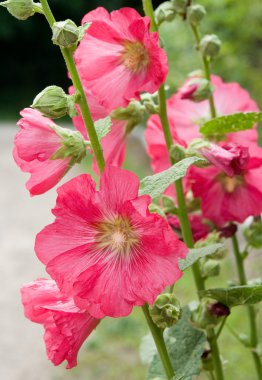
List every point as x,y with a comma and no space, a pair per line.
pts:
210,45
149,101
133,113
177,152
73,145
180,6
253,234
65,33
203,316
209,268
54,103
195,14
165,12
166,310
196,89
213,238
20,9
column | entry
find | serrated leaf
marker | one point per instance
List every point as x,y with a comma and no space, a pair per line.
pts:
185,345
156,184
230,123
102,127
195,254
236,295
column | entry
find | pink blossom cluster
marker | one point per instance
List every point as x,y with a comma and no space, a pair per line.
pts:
105,251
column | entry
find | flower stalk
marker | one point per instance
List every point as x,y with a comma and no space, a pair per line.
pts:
69,60
251,309
183,215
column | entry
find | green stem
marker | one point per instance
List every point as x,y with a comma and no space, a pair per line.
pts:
250,308
69,60
183,215
206,66
160,343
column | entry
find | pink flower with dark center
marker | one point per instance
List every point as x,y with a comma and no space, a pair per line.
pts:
229,157
66,326
113,144
119,57
45,150
185,116
105,248
230,198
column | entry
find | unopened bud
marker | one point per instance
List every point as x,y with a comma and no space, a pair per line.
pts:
213,238
196,89
54,103
210,45
180,6
133,113
65,33
219,309
209,268
72,145
203,318
166,310
195,14
20,9
165,12
177,152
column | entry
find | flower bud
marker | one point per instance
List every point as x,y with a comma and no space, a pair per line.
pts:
228,231
209,268
195,14
20,9
165,12
213,238
177,152
133,113
196,89
149,101
65,33
166,310
73,145
210,45
180,6
202,316
219,309
54,103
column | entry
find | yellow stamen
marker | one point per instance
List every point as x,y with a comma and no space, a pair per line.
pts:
135,56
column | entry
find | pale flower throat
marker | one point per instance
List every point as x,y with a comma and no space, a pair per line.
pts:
117,235
135,56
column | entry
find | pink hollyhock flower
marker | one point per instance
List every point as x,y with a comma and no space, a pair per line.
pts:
119,57
66,326
105,248
229,157
184,118
45,150
231,195
113,144
199,229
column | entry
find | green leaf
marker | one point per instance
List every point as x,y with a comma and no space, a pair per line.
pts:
230,123
197,253
185,345
156,184
102,127
235,296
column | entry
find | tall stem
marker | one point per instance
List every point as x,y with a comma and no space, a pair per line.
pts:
250,308
160,344
69,60
206,66
183,215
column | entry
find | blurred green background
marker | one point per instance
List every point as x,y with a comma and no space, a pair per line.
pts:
29,62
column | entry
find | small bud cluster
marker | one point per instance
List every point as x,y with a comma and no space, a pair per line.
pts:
166,310
209,314
20,9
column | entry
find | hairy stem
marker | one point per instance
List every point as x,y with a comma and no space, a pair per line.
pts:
160,344
250,308
69,60
206,65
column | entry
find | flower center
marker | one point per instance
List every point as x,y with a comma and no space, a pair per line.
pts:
117,235
135,56
231,183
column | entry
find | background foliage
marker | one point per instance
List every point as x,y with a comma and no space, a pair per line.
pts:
30,62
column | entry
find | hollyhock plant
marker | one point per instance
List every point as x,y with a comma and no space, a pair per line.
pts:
233,194
185,116
119,57
45,150
105,248
66,326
